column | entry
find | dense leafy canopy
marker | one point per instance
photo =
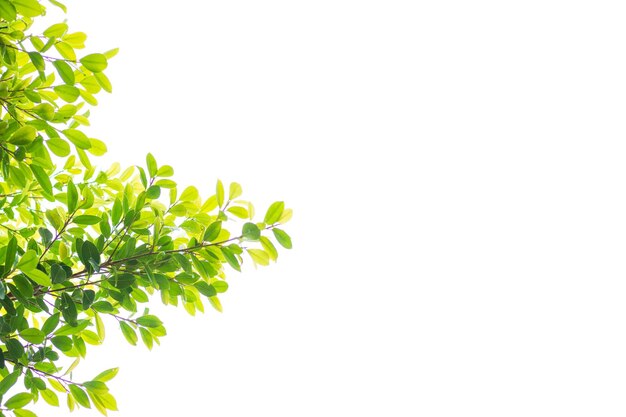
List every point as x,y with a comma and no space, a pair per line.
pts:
78,244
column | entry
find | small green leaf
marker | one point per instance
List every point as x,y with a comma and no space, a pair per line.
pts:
282,237
87,219
94,62
79,395
7,10
39,277
18,400
219,193
251,231
11,252
42,178
149,321
10,380
269,247
78,138
259,256
50,324
230,258
72,197
68,93
274,212
33,335
234,191
153,192
58,146
205,289
212,232
56,31
152,165
65,71
28,261
107,375
129,333
23,136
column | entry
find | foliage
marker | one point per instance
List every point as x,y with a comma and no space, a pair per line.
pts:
78,244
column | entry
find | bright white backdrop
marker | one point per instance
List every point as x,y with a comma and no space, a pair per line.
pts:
457,175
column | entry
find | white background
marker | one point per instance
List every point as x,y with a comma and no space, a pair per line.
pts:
457,175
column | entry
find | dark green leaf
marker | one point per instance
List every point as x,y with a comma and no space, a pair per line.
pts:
205,289
282,237
79,395
65,71
251,231
212,232
231,258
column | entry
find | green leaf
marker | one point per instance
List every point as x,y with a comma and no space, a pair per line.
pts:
18,400
65,71
39,277
56,31
250,231
68,329
66,50
50,397
238,211
94,62
33,335
37,60
59,5
50,324
28,261
152,165
63,343
220,286
212,232
77,137
23,136
59,147
9,380
205,289
219,193
274,212
7,10
107,375
234,191
72,197
10,255
146,337
149,321
282,237
269,247
259,256
28,8
87,219
230,258
79,395
104,82
22,412
68,93
42,178
216,303
129,333
153,192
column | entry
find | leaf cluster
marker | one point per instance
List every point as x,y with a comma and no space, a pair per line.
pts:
83,249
